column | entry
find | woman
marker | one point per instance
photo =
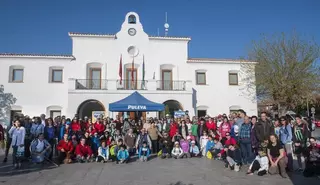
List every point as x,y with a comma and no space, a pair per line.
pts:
224,128
183,130
277,157
40,149
285,133
50,134
18,135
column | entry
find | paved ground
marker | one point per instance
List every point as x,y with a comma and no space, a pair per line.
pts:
156,171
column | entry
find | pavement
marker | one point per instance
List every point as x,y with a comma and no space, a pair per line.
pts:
195,171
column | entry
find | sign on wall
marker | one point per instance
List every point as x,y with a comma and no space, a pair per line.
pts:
97,114
179,114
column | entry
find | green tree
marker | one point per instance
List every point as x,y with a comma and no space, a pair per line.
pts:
6,100
286,71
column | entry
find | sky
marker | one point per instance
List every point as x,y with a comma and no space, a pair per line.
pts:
218,28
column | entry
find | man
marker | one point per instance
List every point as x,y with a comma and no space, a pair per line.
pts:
154,135
300,136
129,141
245,141
144,136
240,119
263,128
36,128
126,127
40,149
83,152
43,119
65,148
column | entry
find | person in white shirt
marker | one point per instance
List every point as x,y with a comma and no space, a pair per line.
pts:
203,143
177,151
18,133
40,149
260,164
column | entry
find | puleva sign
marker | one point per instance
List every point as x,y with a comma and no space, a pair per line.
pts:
137,107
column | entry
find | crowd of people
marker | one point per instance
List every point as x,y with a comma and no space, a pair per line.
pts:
260,145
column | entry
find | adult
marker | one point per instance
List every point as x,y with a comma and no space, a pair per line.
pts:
126,127
43,119
83,152
277,157
254,141
173,128
263,128
40,149
129,140
224,128
285,133
143,136
50,134
245,141
75,126
211,125
18,133
240,118
65,148
99,127
313,159
300,137
36,128
154,136
183,129
202,128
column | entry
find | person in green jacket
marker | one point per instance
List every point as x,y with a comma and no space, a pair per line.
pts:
194,130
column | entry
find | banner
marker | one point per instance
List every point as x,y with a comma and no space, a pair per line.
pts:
97,114
179,114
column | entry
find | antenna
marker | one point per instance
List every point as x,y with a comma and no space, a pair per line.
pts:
158,32
166,25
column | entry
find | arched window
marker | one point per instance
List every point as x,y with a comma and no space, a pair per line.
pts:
132,19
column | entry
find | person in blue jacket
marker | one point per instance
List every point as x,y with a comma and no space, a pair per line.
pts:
194,150
144,152
64,129
122,155
210,144
95,143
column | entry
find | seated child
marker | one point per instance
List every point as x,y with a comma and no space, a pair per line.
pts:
185,148
113,150
260,164
144,152
103,153
194,150
216,152
210,145
203,143
233,157
177,151
165,145
40,149
122,155
83,152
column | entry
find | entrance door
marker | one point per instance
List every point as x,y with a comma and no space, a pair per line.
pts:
202,113
166,79
95,78
129,83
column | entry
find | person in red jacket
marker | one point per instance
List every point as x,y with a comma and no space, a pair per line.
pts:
83,152
173,129
229,141
75,126
65,148
211,125
99,126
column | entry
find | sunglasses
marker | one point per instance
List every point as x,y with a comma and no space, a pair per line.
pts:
283,120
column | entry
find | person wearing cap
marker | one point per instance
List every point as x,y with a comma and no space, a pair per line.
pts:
194,150
177,152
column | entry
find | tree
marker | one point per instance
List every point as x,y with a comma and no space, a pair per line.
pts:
286,71
6,100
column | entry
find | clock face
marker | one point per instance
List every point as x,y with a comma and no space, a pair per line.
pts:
132,31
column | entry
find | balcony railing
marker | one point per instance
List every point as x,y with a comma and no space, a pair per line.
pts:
169,85
132,85
91,84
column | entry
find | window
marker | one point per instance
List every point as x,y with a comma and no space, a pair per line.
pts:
55,113
233,78
17,75
56,75
132,19
202,113
201,78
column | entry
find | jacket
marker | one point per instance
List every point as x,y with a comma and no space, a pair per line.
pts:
194,129
122,155
103,152
18,136
95,143
176,151
194,149
83,150
67,146
34,143
201,129
209,146
263,130
99,127
286,134
300,134
184,146
224,128
75,126
173,129
49,136
211,125
36,129
144,151
142,138
62,131
263,161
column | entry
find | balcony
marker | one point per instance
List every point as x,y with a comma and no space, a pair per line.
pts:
169,85
91,84
132,85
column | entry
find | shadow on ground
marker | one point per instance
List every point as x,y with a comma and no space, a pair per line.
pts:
179,183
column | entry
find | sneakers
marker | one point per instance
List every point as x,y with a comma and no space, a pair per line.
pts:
236,168
5,160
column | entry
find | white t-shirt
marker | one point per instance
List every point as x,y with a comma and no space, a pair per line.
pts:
40,146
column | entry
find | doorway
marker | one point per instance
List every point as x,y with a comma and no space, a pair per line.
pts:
166,79
131,83
95,78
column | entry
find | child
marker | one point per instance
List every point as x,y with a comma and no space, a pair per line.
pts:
165,145
144,152
217,148
103,153
260,164
194,150
233,158
95,143
122,155
210,145
177,151
203,143
185,148
112,150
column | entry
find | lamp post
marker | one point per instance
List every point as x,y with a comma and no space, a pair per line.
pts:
313,112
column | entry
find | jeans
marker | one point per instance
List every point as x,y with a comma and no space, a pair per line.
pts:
14,155
256,167
154,146
288,149
246,150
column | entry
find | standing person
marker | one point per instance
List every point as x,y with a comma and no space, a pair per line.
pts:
240,119
43,120
154,135
263,128
129,140
65,148
285,134
143,136
173,129
18,135
194,130
254,141
126,127
300,136
276,157
245,141
36,128
224,128
183,129
211,125
2,144
50,134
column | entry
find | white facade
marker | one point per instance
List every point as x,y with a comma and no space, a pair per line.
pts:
99,55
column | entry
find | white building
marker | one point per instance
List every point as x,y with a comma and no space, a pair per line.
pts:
89,79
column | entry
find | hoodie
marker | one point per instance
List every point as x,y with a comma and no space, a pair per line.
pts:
194,149
123,155
144,151
210,145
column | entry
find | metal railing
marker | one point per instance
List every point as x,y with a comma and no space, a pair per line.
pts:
169,85
91,84
132,85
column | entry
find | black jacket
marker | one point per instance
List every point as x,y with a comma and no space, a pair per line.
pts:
263,130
